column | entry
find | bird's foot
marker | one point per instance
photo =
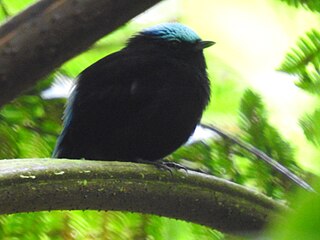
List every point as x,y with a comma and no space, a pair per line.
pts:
164,164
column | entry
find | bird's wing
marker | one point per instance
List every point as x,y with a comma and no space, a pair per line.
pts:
113,93
118,87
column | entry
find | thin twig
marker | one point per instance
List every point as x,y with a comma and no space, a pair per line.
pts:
261,155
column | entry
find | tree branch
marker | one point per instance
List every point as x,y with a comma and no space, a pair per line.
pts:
50,32
58,184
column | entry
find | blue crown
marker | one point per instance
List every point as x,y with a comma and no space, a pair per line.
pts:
172,32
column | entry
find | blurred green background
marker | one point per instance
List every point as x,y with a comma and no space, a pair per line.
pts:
265,76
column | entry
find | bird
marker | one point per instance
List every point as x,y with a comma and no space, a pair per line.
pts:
140,103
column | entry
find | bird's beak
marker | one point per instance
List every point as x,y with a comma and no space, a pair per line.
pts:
204,44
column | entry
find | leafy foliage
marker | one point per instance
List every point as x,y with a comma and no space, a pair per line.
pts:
310,126
29,127
303,223
312,5
304,61
261,134
102,225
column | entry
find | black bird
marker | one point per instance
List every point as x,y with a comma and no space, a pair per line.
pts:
140,103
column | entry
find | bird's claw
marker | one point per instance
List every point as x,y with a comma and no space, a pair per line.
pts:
167,165
164,165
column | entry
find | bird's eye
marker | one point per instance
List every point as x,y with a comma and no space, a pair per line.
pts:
174,42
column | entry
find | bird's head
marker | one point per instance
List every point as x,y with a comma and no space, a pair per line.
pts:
176,37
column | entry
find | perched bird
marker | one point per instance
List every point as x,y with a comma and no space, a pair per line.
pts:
140,103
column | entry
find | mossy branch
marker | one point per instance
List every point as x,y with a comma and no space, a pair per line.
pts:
28,185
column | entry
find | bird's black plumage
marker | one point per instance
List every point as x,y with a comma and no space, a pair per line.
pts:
140,103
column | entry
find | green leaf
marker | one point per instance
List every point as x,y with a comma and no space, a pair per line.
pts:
253,117
310,82
306,52
261,134
313,5
303,222
311,127
304,62
13,7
